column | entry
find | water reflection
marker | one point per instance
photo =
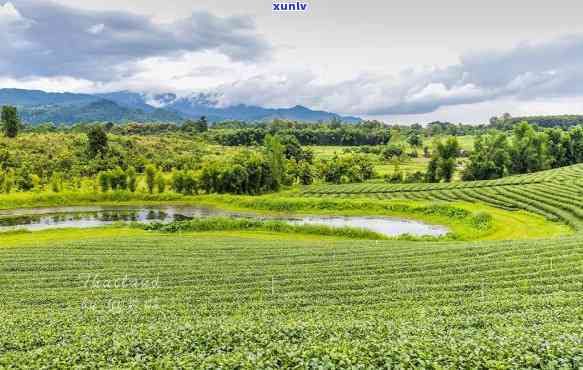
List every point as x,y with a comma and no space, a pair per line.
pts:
84,217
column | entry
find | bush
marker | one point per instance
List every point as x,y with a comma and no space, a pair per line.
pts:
347,169
392,151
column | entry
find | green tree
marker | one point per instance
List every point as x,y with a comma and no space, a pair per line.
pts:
10,121
132,179
529,149
415,140
150,178
276,158
97,143
104,181
557,146
160,183
490,158
202,124
443,161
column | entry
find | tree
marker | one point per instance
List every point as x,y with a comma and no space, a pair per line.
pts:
97,141
202,124
10,121
557,146
529,150
104,181
160,183
276,158
490,158
443,161
132,179
150,178
415,140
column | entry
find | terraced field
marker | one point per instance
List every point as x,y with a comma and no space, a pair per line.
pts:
212,301
556,194
127,298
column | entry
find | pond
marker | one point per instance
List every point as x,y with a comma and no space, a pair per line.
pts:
95,216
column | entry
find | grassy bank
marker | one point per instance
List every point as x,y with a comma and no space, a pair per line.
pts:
231,224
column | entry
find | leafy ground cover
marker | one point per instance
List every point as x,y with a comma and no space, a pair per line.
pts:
241,302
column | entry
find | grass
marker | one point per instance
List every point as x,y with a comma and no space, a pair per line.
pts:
230,224
222,301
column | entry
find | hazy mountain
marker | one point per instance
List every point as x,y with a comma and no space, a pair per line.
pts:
125,106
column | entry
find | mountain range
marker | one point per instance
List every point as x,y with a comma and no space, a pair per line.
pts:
37,106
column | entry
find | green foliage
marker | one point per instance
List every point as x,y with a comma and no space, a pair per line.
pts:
226,224
392,150
274,152
185,182
289,303
132,179
528,150
306,134
415,140
151,173
104,181
160,183
490,158
443,161
97,142
195,127
57,182
118,179
347,169
245,173
10,121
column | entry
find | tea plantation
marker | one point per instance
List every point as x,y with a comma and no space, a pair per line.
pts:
127,298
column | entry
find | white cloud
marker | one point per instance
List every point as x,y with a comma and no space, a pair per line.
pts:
96,29
9,14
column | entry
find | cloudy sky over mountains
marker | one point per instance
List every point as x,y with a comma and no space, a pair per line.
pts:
419,61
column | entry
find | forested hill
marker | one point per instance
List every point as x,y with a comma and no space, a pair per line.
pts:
40,107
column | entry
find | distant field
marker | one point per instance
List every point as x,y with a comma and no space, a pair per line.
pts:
406,165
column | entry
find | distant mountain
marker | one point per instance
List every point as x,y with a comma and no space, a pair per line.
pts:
207,105
124,106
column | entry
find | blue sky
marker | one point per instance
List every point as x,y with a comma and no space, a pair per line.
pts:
413,61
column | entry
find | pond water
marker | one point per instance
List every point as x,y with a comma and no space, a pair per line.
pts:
94,216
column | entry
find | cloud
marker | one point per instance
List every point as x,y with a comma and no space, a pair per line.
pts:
9,14
42,38
530,70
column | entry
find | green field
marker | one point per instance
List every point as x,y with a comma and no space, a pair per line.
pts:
121,297
405,165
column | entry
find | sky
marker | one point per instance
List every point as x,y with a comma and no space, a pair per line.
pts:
401,62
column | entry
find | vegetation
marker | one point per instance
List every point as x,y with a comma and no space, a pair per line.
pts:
242,301
229,224
238,293
10,121
528,151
